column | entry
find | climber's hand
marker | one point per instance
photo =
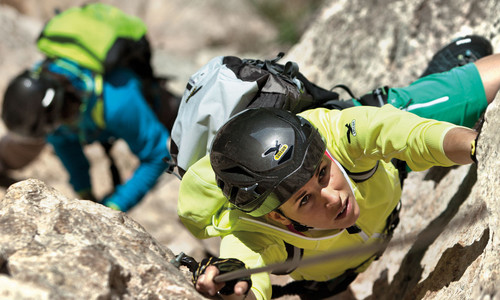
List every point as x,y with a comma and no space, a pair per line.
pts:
209,268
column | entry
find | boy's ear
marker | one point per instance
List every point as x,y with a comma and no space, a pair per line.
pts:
276,216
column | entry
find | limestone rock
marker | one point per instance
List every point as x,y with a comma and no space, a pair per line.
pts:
363,44
53,247
386,42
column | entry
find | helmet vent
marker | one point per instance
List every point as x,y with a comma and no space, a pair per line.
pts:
237,171
234,193
286,156
238,174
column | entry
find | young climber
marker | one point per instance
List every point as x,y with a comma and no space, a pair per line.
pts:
95,84
325,179
58,102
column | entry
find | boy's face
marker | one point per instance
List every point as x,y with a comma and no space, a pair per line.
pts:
326,201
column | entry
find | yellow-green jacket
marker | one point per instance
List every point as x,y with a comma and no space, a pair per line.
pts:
357,137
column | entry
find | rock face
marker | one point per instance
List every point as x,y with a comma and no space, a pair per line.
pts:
52,247
386,42
367,44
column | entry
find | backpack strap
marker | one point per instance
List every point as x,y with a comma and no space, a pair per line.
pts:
402,168
362,176
271,65
97,112
357,176
291,69
378,97
345,88
294,254
309,289
322,289
82,81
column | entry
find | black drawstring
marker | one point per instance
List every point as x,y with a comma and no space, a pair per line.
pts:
296,225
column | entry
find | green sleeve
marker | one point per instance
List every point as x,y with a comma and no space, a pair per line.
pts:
255,250
199,199
360,136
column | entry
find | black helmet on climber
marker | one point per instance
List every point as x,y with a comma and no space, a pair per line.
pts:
259,167
32,104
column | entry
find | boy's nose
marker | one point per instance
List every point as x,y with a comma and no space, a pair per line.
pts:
331,197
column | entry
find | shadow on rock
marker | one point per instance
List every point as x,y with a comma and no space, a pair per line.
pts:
6,180
454,260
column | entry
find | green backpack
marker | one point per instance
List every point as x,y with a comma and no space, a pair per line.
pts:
99,37
96,36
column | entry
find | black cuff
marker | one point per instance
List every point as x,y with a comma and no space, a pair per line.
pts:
473,150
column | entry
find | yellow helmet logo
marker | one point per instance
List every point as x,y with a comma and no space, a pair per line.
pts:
280,152
278,149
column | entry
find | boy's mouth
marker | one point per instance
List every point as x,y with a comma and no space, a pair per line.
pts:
343,212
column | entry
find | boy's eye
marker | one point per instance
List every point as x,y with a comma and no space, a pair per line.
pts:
322,172
304,200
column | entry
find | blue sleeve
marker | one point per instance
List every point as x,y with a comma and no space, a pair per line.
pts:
70,152
128,116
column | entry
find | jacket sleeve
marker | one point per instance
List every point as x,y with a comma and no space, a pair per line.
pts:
200,199
255,250
360,136
128,116
69,150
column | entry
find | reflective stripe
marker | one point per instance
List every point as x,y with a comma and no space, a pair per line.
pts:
355,176
98,109
362,176
49,97
430,103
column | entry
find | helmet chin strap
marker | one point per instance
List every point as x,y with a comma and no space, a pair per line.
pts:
296,225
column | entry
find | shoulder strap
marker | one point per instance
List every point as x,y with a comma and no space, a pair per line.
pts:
294,254
362,176
98,108
378,97
357,176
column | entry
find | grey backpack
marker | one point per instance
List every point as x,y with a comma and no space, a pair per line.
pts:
227,85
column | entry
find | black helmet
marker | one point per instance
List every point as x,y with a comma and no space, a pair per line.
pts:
32,104
262,156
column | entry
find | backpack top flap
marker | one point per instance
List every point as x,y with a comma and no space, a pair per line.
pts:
85,34
213,94
227,85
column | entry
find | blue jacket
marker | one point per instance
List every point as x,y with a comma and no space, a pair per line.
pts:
127,116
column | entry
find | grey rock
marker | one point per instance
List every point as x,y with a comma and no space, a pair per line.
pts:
54,247
363,44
